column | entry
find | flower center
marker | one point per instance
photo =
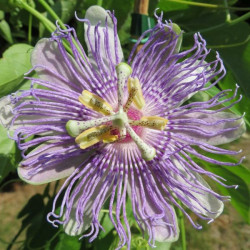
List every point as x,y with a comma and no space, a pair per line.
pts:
133,115
122,126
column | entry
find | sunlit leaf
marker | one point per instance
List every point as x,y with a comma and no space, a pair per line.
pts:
13,65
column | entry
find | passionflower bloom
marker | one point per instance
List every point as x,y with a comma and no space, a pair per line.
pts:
123,130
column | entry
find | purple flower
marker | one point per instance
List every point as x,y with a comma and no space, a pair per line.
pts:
121,130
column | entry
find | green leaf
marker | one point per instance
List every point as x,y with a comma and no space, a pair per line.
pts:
228,82
5,31
1,15
9,154
39,233
67,242
5,5
192,18
240,196
6,146
110,241
171,6
236,58
107,225
231,40
162,245
31,218
236,109
64,9
122,11
13,65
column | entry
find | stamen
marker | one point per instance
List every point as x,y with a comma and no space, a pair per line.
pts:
95,102
153,122
74,128
133,83
123,71
147,152
94,135
109,138
132,94
119,119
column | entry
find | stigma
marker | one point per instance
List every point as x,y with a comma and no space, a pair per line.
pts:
115,126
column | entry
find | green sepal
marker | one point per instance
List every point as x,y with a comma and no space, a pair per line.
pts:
177,30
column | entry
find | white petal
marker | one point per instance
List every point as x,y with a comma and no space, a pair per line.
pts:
165,229
71,226
191,78
6,108
221,138
206,199
162,232
47,54
96,14
49,173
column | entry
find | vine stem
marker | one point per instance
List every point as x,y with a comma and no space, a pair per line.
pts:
30,29
52,13
47,23
8,182
208,5
60,22
239,19
107,211
182,229
228,16
99,2
223,46
227,23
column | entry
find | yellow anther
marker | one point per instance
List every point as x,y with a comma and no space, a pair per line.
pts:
138,99
132,94
94,135
153,122
109,138
95,102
